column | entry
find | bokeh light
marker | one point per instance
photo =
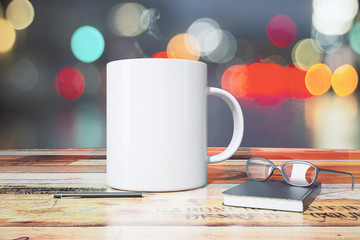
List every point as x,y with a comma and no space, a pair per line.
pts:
355,38
87,44
318,79
183,46
344,80
207,32
234,81
266,83
24,74
268,80
344,55
225,79
128,19
328,43
20,14
297,87
221,68
331,28
7,36
334,17
160,55
69,83
306,53
333,121
281,30
225,50
256,68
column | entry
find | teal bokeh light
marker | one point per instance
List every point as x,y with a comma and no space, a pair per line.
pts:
87,44
355,38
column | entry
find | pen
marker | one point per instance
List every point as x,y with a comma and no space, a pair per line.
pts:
98,195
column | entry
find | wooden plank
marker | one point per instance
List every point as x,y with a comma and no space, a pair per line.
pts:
53,169
225,172
177,232
200,207
88,152
242,153
25,155
291,153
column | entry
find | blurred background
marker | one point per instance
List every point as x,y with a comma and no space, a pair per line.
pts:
291,64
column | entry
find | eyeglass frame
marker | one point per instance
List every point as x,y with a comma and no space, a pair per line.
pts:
285,177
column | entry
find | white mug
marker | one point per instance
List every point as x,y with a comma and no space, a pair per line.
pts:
157,124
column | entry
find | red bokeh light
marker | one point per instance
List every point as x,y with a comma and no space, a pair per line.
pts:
69,83
281,31
267,80
267,83
297,87
160,55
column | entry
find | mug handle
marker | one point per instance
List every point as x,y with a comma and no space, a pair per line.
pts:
238,124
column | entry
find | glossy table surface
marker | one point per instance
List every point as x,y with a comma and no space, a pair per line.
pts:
28,178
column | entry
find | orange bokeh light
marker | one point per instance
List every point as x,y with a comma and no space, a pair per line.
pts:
226,79
183,46
344,80
239,85
318,79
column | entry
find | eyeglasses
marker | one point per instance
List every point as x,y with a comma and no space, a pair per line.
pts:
296,173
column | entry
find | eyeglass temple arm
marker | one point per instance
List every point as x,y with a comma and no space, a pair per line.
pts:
338,172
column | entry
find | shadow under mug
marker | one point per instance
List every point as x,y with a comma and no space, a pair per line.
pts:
157,124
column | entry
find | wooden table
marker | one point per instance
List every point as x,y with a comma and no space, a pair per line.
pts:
28,210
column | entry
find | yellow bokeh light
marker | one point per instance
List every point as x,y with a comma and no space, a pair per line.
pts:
20,14
183,46
318,79
306,53
344,80
7,36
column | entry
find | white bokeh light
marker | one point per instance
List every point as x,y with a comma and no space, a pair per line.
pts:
208,33
225,50
334,17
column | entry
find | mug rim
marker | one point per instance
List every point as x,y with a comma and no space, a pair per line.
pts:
154,60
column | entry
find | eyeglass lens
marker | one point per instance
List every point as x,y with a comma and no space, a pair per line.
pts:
258,169
299,174
295,173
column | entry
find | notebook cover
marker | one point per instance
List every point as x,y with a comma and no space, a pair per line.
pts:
272,194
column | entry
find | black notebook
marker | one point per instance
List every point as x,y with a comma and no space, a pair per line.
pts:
271,194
